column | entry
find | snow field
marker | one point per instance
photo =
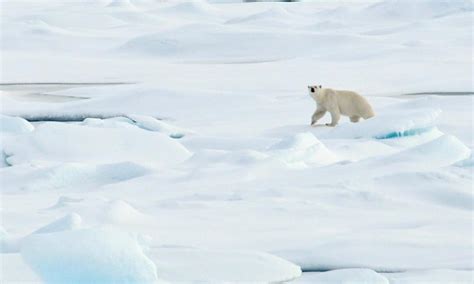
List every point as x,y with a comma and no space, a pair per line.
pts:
203,167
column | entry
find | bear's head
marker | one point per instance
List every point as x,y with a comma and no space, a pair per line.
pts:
314,90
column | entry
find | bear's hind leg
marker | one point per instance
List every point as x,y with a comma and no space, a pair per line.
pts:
355,118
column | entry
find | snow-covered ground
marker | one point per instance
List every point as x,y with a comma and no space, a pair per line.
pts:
197,162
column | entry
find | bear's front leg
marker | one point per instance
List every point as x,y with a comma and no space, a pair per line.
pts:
320,112
335,116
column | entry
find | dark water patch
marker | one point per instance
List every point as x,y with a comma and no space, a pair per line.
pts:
75,117
177,135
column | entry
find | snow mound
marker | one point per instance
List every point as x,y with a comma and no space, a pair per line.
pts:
14,125
120,212
388,124
88,256
71,221
214,266
153,124
301,150
344,276
61,142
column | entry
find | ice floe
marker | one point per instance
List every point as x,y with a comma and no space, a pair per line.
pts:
88,255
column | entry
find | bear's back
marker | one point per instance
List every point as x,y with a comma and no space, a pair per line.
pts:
352,104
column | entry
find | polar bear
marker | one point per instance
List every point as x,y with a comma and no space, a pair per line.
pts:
338,102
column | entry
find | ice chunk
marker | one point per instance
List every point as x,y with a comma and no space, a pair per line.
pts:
69,222
88,256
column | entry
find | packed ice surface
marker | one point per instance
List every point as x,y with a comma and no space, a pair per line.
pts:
205,158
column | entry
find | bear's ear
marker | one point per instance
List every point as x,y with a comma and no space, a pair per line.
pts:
320,86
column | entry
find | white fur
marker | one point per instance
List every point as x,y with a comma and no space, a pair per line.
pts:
337,103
